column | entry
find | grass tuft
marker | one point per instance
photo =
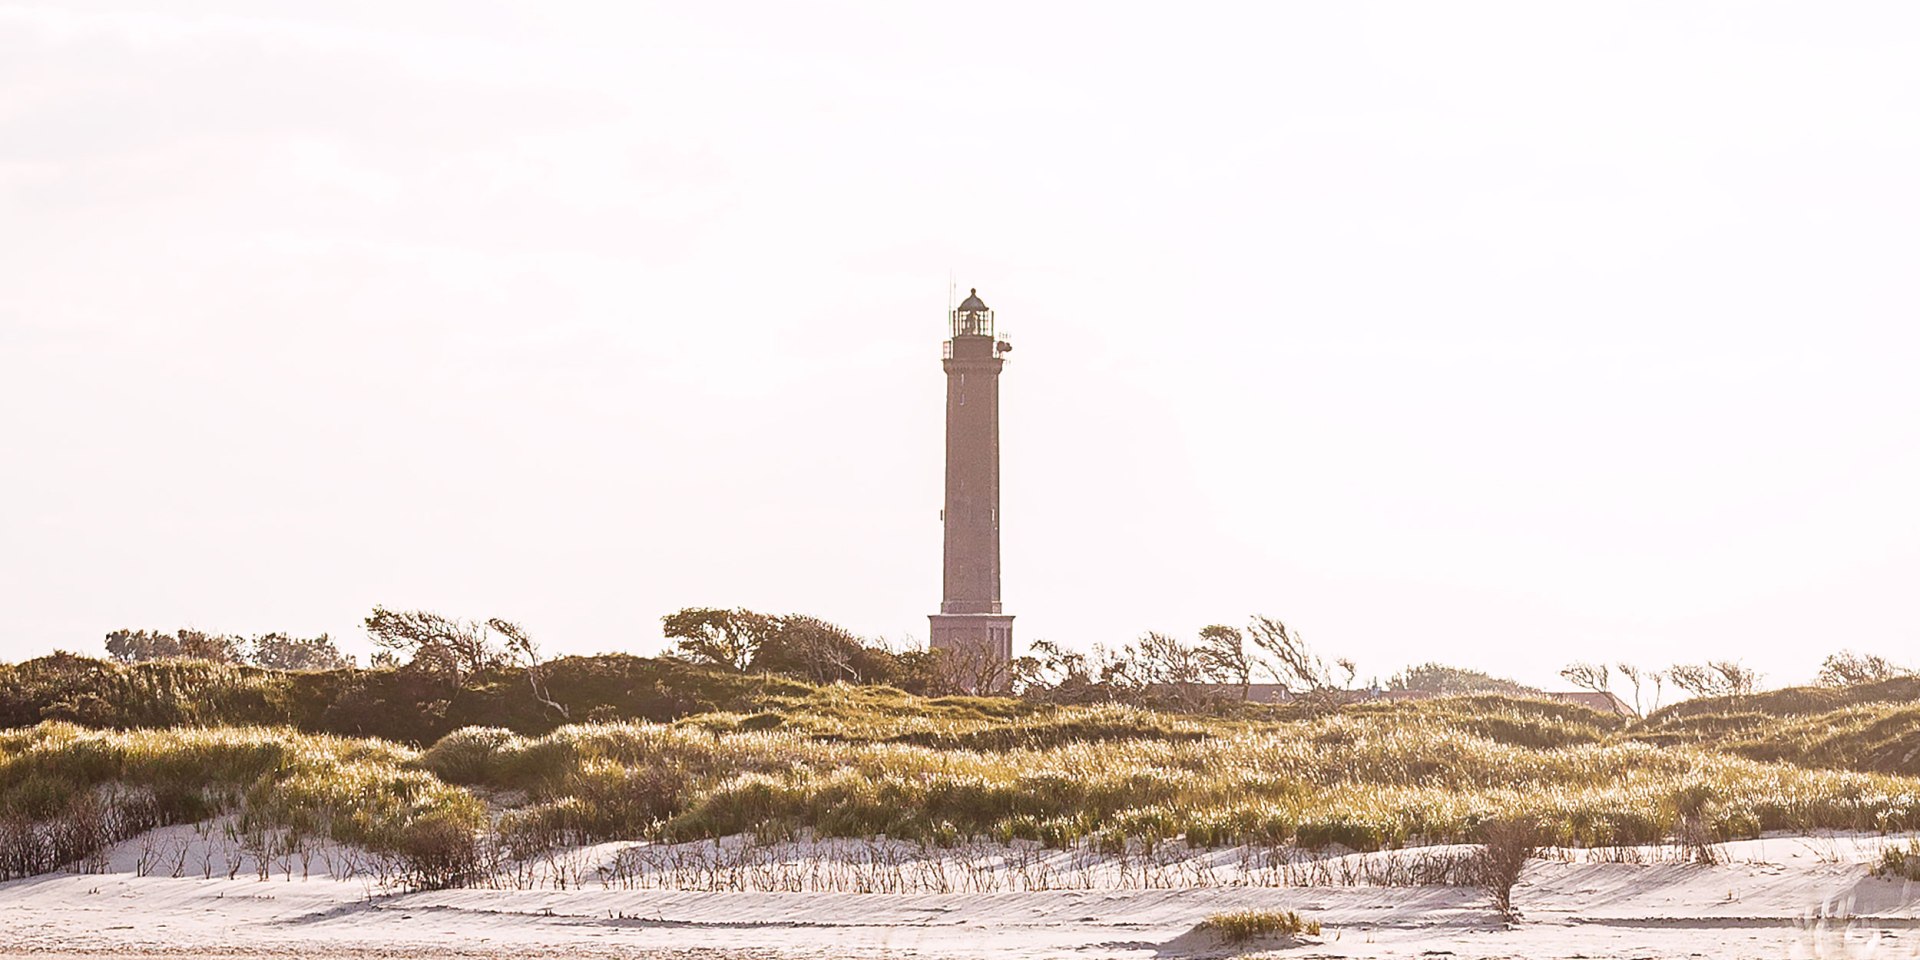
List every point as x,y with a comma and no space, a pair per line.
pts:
1243,925
1899,863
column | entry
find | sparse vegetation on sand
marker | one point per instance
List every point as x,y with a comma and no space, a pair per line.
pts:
1244,925
1899,862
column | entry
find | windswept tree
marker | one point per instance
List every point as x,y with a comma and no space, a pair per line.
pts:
798,645
1589,676
1715,678
438,645
524,653
1052,672
1169,667
1284,654
1165,660
1846,668
729,639
809,648
1645,700
1224,656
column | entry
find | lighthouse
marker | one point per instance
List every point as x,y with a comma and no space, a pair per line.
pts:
970,633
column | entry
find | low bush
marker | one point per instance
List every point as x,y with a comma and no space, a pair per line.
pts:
1505,848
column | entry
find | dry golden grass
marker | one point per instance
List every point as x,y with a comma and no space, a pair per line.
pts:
1364,780
1244,925
66,790
870,762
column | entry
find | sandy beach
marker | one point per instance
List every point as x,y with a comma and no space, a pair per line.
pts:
1777,897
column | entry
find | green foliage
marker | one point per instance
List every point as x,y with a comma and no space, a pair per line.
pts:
404,705
729,639
136,646
1244,925
278,651
794,645
1437,678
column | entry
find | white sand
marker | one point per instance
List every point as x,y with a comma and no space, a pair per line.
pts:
1778,897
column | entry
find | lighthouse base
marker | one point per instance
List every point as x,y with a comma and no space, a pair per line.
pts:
975,650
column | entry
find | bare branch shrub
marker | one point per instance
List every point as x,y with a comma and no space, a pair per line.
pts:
1588,676
1642,679
1715,678
1224,657
441,646
1286,656
1505,848
526,654
1846,668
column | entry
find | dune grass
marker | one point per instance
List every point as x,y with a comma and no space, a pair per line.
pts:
867,762
1868,727
1244,925
66,791
1364,780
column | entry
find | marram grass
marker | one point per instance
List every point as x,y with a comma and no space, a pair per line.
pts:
1244,925
66,789
865,763
1365,781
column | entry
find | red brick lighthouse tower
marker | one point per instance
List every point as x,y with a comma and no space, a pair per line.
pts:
975,637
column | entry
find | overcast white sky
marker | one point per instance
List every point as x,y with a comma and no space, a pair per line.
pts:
1497,334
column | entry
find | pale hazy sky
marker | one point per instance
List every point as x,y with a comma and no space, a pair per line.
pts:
1498,334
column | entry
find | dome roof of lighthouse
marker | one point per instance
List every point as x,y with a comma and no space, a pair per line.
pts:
973,303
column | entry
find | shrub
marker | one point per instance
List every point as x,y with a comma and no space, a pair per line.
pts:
438,849
1505,848
467,755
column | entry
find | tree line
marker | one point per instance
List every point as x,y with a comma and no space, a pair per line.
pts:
275,651
1220,664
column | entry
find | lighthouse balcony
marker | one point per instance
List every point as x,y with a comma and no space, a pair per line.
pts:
976,348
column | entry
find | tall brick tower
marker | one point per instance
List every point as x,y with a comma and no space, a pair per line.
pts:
976,638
